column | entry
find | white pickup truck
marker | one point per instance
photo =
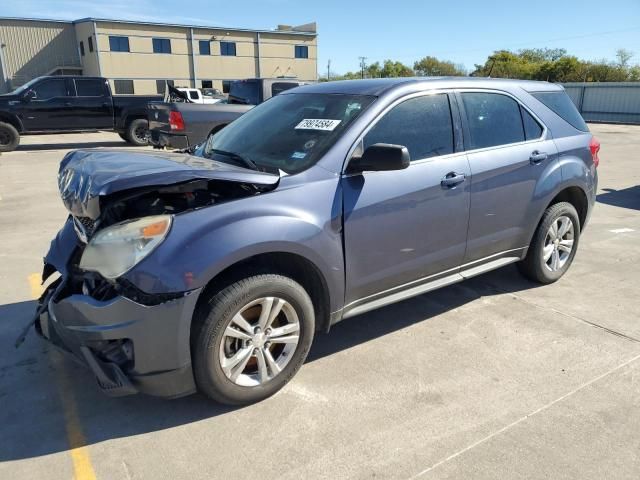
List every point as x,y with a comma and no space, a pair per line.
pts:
195,96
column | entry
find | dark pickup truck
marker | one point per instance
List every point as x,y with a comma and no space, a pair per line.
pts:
71,103
182,124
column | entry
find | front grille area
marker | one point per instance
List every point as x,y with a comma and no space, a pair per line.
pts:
84,227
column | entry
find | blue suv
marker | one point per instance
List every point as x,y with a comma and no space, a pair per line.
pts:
211,269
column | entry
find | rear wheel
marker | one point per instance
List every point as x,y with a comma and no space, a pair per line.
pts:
9,137
137,132
250,338
554,244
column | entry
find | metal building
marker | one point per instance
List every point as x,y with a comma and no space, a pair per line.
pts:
137,57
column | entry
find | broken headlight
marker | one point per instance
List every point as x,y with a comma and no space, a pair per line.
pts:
118,248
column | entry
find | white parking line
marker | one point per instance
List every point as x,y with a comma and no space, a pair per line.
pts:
522,419
622,230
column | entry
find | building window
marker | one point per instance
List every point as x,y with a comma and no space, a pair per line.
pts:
82,48
205,47
161,45
123,87
118,44
207,83
161,85
228,49
90,42
302,51
226,85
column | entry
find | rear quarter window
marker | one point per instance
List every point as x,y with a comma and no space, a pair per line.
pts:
561,104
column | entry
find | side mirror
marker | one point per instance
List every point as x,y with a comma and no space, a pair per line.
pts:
381,157
29,95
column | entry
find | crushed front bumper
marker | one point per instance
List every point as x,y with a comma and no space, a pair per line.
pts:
128,346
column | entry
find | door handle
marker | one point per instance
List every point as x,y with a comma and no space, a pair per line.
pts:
452,179
537,157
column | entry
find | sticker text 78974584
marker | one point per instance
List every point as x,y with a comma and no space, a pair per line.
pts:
325,124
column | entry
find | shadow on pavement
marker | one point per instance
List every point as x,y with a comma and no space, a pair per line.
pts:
32,415
625,198
71,146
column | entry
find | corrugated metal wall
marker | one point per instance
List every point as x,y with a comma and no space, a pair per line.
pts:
606,101
34,48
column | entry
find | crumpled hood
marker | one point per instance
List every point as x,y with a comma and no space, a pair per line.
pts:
86,176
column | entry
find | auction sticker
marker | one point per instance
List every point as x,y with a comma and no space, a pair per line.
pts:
325,124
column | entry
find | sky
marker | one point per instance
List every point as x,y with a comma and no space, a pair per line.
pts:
463,31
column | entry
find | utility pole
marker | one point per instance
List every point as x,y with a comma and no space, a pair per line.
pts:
363,65
329,70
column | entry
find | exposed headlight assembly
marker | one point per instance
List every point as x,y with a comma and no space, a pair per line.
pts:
118,248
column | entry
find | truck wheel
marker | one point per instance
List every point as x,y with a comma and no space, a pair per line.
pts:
249,339
554,244
137,132
9,137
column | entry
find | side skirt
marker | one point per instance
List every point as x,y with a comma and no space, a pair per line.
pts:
428,284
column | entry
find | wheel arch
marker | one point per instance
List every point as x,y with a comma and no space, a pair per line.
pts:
577,197
11,119
292,265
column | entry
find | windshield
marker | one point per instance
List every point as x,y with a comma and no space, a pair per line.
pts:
245,92
288,132
24,87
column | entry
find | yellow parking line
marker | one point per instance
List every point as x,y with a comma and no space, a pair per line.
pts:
82,467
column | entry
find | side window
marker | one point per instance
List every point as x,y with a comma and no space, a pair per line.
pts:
280,87
81,48
532,129
493,119
226,86
90,88
193,95
422,124
54,87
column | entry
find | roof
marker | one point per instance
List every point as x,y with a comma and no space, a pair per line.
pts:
296,30
379,86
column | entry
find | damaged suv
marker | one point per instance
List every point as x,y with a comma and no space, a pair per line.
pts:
212,270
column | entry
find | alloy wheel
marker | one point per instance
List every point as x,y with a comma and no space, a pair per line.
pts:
259,341
558,243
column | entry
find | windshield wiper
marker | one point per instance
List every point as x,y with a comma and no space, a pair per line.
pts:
246,161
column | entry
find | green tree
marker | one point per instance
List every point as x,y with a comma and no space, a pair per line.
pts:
432,67
395,69
505,64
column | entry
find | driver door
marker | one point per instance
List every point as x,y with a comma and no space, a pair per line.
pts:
49,106
402,227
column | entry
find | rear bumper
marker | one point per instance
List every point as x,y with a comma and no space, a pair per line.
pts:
129,347
171,140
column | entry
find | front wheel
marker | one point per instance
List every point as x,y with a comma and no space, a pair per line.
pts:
250,338
9,137
136,133
554,244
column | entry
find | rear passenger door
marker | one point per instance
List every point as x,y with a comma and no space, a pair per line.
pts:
512,158
406,225
91,107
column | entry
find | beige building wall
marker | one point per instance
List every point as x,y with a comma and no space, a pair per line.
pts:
33,48
90,66
36,48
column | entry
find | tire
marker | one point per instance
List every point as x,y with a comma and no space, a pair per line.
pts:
9,137
123,136
136,133
547,258
214,351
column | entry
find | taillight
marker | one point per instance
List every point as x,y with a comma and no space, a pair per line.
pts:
176,122
594,146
